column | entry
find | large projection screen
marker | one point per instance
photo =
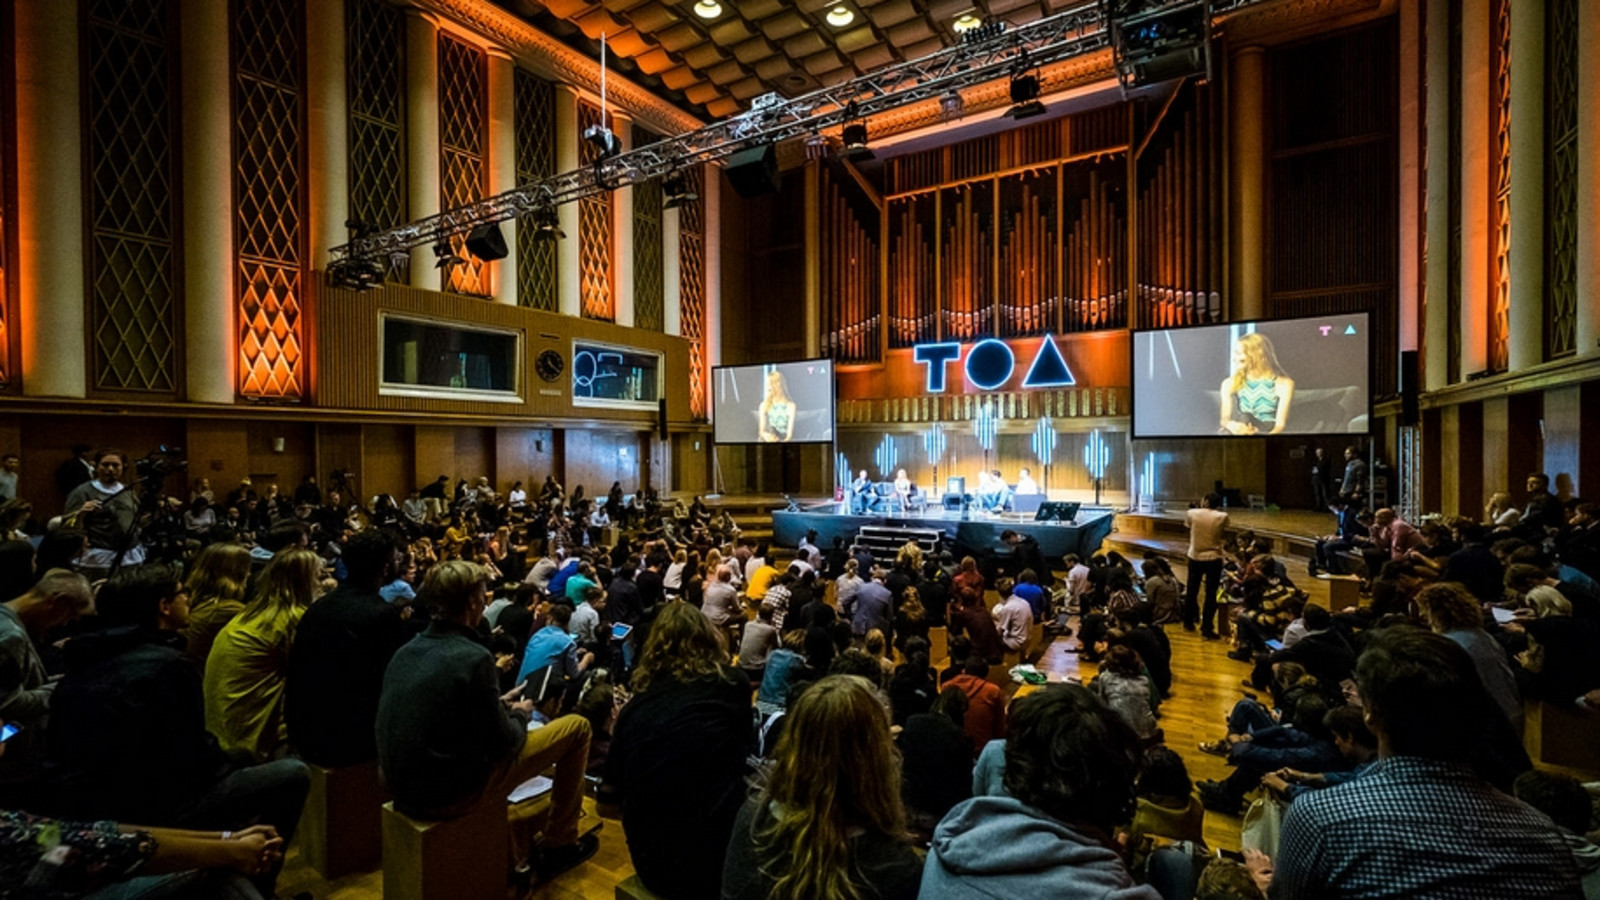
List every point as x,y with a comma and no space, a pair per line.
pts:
773,403
1244,379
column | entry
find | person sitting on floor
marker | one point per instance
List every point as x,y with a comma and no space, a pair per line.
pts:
986,703
450,743
1166,805
1123,686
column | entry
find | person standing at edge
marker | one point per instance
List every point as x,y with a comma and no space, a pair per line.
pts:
1206,526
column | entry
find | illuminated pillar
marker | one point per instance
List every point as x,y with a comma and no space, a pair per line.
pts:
50,246
672,267
1436,347
211,338
1588,285
569,280
813,260
1526,326
1410,199
1247,241
422,138
622,215
503,166
711,196
327,134
1474,115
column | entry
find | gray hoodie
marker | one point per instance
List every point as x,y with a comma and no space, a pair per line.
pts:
1588,857
999,847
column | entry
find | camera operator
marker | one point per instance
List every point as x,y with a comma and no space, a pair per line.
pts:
106,510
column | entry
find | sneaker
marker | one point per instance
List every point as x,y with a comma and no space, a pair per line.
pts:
1215,748
556,860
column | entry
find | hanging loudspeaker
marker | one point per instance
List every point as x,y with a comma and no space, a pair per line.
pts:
754,172
486,242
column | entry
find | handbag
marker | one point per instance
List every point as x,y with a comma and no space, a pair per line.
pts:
1263,824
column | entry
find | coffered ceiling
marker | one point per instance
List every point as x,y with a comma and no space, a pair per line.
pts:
713,67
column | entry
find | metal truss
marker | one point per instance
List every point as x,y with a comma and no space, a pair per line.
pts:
1076,31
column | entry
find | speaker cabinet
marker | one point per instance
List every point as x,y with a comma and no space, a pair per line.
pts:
486,242
754,172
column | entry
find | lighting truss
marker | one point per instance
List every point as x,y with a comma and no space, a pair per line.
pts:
1076,31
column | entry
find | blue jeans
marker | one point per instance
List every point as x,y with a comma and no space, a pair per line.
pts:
214,884
1248,717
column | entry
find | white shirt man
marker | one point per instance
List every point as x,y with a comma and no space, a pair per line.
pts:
1013,618
1077,581
8,476
1025,484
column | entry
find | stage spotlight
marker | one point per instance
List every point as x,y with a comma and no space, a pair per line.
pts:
446,256
1025,97
675,188
355,274
855,142
951,105
601,138
547,225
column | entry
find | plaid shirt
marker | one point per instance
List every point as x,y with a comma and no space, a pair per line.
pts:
1414,827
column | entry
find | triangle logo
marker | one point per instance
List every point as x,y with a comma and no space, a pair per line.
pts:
1049,368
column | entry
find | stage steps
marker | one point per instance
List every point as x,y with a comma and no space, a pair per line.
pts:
884,541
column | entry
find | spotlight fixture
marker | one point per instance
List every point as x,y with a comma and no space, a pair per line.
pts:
951,105
446,256
978,32
601,138
676,189
1025,97
840,16
966,22
355,274
855,142
547,225
708,9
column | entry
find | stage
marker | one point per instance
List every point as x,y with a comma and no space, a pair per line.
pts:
970,533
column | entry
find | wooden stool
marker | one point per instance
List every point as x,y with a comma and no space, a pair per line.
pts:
1343,591
634,889
340,831
939,644
457,859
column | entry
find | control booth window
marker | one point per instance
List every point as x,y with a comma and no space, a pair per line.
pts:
424,358
609,375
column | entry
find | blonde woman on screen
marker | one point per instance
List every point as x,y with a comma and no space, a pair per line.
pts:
777,410
1256,397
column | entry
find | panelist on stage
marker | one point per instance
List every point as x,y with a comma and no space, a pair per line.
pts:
860,494
902,489
1026,486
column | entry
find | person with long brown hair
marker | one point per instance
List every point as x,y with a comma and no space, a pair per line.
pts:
248,666
676,765
840,837
217,581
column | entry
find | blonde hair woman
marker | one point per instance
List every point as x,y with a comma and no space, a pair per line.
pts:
1256,397
777,410
836,838
1499,511
244,682
216,584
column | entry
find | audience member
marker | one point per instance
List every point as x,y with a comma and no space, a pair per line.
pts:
1123,686
1396,830
217,580
449,742
57,599
676,765
1070,770
936,760
803,837
986,703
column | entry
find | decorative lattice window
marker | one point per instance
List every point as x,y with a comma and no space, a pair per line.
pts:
463,144
692,285
1561,178
1500,202
649,285
375,54
268,78
535,127
596,298
133,291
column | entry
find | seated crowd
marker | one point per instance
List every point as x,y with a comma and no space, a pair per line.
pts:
763,724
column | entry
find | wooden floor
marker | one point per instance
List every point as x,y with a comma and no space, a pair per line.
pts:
1206,684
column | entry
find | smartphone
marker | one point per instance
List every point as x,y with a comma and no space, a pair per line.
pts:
1274,645
9,731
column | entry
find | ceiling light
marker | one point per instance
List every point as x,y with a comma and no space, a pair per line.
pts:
601,138
966,22
951,104
840,16
547,224
708,9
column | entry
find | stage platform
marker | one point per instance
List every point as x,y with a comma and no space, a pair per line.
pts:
970,533
1292,532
